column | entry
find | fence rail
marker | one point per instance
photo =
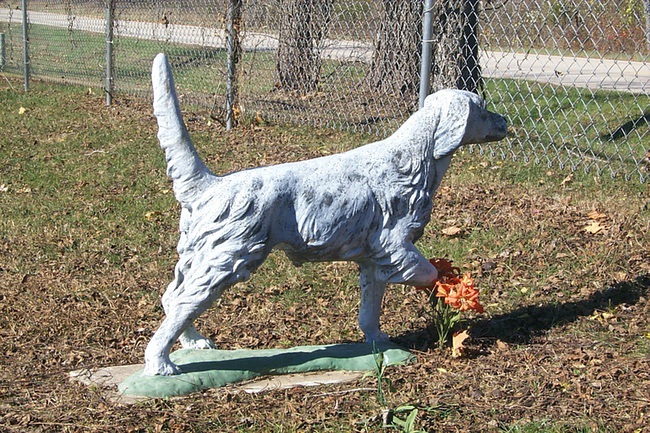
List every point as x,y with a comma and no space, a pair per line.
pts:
571,75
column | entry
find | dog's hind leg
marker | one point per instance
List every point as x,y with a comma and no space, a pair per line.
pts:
189,300
372,293
198,289
190,337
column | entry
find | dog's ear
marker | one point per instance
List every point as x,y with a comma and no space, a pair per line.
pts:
453,108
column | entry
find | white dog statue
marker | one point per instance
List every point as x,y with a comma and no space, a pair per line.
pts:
368,205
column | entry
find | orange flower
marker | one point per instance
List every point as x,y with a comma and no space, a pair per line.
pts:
457,291
468,296
460,293
444,290
444,268
445,271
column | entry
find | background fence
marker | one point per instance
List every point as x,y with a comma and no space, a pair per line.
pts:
572,76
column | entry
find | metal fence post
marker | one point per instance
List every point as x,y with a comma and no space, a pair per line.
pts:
109,51
427,41
232,45
3,56
25,48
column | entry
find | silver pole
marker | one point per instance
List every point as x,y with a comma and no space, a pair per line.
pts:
25,50
109,51
427,48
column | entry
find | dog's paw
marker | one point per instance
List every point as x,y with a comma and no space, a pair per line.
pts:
200,344
377,337
161,369
191,339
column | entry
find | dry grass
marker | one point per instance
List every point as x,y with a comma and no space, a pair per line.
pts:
87,240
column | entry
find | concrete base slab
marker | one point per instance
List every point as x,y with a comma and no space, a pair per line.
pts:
108,378
246,370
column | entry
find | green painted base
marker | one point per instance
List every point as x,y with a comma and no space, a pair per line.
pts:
215,368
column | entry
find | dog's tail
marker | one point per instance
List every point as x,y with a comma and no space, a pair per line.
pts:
184,165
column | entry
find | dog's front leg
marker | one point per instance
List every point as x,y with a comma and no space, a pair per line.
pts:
372,293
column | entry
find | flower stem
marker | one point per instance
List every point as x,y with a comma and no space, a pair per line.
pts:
444,318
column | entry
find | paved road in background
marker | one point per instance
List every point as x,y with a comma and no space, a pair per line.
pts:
592,73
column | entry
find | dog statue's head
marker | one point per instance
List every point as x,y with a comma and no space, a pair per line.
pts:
462,119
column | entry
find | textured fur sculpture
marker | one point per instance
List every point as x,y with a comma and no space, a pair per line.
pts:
368,205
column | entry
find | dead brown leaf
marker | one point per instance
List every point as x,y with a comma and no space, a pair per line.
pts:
451,230
567,179
595,215
502,346
457,346
594,227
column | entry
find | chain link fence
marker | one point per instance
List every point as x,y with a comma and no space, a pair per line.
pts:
572,76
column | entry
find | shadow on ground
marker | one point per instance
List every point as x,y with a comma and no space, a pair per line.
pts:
524,324
625,129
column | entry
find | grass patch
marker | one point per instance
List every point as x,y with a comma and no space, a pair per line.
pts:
600,131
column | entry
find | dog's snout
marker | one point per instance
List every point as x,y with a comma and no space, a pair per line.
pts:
497,127
484,126
500,126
